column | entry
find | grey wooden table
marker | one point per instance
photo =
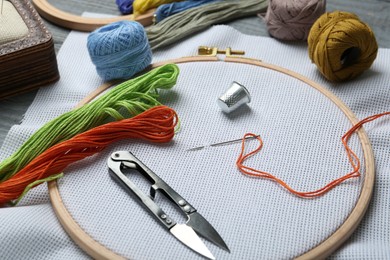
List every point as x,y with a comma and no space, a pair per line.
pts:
374,12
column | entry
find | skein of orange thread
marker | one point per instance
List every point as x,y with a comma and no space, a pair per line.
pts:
156,125
352,157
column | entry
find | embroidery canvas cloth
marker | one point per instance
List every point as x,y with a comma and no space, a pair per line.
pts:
301,130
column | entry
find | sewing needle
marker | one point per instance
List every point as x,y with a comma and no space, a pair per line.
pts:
222,143
2,3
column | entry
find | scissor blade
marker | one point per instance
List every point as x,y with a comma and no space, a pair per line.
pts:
188,237
206,230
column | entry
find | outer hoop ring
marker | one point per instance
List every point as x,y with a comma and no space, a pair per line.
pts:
79,23
98,251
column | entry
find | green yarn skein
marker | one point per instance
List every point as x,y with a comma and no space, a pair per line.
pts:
125,100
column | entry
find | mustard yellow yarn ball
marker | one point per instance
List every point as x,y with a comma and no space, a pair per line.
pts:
341,46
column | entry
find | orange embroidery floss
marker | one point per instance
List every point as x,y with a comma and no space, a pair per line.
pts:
156,125
352,157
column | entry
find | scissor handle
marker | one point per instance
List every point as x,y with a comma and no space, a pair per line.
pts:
115,170
157,182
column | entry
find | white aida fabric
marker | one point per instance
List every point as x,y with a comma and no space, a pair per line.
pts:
257,218
12,26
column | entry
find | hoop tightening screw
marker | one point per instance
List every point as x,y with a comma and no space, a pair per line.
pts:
204,50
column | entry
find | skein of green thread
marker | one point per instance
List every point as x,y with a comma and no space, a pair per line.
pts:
186,23
127,99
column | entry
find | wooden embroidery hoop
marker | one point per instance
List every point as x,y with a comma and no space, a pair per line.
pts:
324,249
79,23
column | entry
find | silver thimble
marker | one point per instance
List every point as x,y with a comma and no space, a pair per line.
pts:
234,97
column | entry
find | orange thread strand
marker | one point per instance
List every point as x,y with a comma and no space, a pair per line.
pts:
156,125
352,157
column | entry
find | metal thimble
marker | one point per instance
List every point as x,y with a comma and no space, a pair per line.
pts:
234,97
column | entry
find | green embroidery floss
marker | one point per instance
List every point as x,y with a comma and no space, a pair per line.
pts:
190,21
125,100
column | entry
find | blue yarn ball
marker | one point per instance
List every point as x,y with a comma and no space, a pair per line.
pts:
119,50
166,10
125,6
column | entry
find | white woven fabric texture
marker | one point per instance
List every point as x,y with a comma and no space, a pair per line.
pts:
257,218
12,26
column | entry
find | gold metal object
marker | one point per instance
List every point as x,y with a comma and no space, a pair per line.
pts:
222,143
154,19
213,51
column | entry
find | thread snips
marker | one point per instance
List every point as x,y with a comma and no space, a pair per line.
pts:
186,233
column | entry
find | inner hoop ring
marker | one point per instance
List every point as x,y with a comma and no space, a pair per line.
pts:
324,249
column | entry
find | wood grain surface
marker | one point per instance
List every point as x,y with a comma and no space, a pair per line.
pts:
374,12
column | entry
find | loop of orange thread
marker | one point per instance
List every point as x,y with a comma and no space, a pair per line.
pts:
352,157
156,125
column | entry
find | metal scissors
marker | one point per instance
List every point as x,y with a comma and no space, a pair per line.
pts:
186,233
